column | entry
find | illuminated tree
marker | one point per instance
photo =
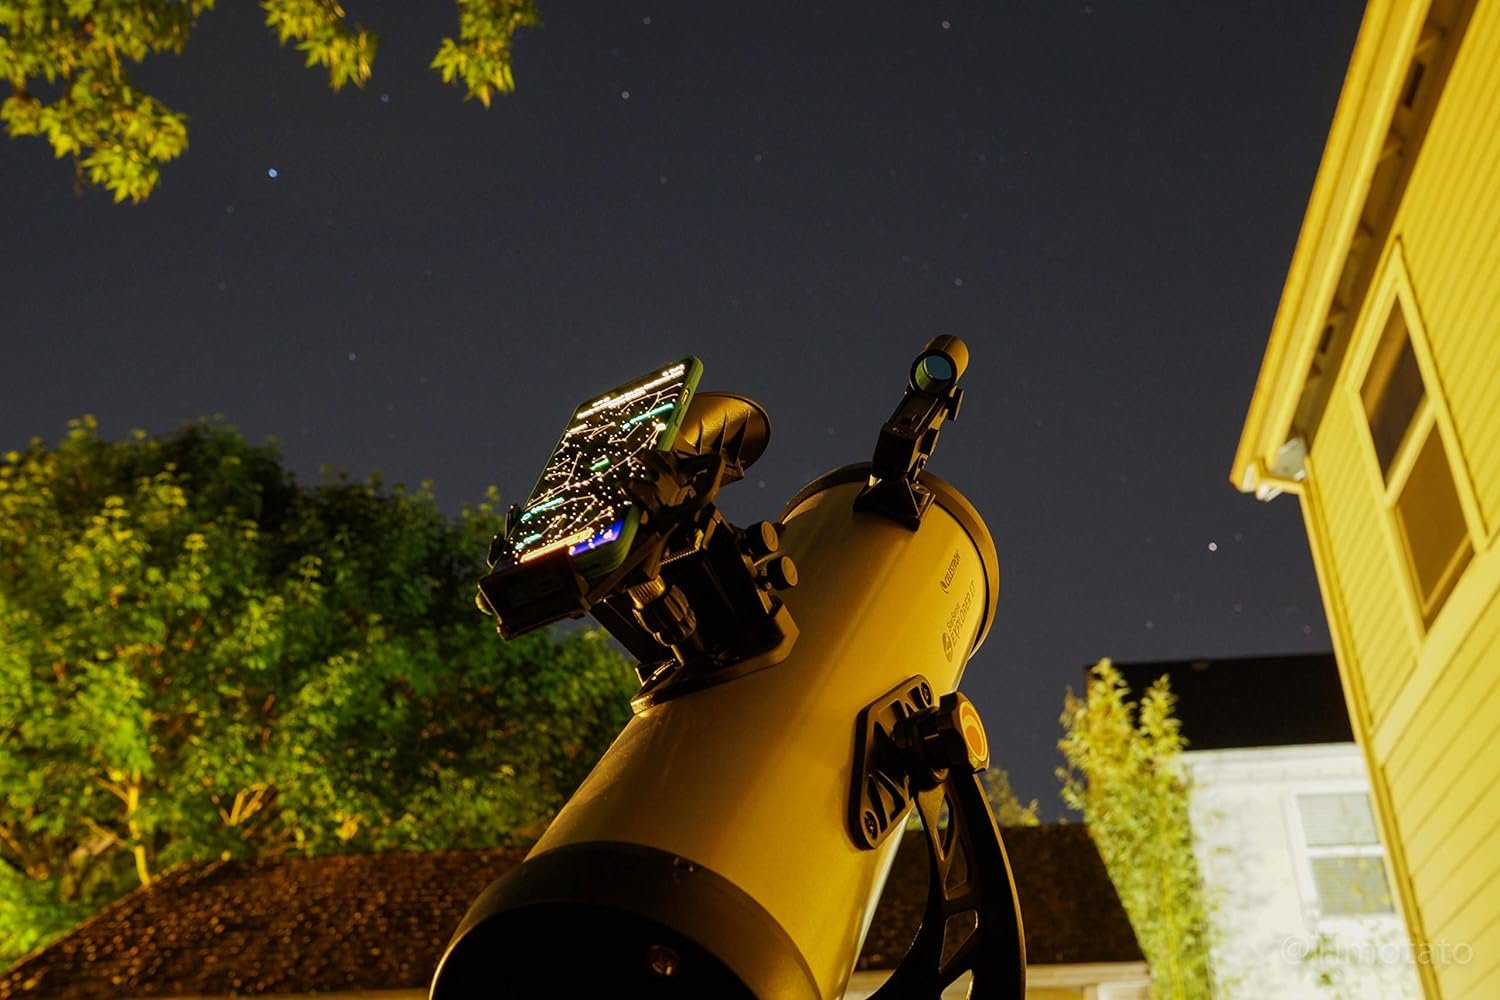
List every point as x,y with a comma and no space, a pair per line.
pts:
1124,774
1003,800
1008,809
68,63
200,658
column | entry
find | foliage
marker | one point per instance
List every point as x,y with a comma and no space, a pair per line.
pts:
1124,775
1004,804
1008,808
481,56
200,658
323,36
68,64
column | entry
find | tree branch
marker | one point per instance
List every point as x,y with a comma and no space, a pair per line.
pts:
113,789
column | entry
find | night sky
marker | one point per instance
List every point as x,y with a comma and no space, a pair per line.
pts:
1101,198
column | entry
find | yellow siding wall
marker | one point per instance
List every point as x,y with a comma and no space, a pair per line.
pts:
1372,592
1429,710
1449,222
1442,774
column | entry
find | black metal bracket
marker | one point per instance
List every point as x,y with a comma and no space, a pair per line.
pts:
908,750
881,796
908,437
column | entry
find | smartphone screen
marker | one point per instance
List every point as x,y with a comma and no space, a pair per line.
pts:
578,503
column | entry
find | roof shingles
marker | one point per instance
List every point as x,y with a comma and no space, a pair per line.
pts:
380,921
1070,912
286,925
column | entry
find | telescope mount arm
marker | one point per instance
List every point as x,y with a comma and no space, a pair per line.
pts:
910,751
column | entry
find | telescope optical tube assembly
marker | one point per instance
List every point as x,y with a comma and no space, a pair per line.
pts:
720,847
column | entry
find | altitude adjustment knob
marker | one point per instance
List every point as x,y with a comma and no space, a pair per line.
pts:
949,735
781,573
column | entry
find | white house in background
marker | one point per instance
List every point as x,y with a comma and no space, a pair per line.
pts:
1286,838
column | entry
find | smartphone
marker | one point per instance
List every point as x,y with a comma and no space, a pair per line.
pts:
579,503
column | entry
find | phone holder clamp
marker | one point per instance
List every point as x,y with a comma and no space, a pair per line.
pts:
694,600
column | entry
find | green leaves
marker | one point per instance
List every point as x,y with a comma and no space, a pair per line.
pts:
117,136
69,69
480,59
321,33
200,657
1124,774
1003,800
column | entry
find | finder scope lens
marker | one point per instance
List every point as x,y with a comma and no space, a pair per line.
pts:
933,373
940,365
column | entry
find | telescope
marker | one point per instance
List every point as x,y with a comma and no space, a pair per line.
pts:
798,701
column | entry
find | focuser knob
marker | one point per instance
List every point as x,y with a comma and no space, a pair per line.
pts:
781,573
760,540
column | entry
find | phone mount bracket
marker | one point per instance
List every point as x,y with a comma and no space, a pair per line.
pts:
694,600
909,751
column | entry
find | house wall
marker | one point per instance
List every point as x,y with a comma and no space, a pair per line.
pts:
1250,849
1425,697
1449,222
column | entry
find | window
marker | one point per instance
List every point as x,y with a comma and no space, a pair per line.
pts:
1419,486
1344,854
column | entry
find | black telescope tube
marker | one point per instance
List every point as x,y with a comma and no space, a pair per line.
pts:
616,919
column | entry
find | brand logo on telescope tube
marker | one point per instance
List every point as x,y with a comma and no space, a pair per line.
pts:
956,619
947,580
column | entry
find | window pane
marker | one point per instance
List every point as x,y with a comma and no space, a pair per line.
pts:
1432,524
1393,391
1351,886
1337,820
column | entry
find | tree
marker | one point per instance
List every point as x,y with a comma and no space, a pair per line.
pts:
1124,775
1004,804
201,658
68,66
1007,807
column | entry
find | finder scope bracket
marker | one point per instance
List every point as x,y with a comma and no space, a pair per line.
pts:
694,599
910,751
908,438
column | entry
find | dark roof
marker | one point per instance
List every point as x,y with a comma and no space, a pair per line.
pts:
1259,701
282,925
380,921
1070,912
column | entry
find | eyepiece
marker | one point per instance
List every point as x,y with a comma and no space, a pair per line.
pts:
940,365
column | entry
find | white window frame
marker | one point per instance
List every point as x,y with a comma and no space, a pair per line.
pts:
1307,885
